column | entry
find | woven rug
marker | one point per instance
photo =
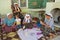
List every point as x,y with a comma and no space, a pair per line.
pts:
10,36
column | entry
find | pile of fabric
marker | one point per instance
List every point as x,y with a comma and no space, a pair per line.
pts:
30,34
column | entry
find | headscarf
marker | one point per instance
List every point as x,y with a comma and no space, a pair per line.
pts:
49,14
27,15
8,14
27,19
15,3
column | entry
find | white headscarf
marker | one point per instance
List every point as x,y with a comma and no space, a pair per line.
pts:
8,14
15,3
27,15
15,6
49,14
27,18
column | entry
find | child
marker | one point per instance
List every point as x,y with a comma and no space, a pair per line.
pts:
36,22
18,21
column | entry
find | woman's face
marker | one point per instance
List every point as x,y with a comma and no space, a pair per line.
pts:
16,5
10,16
48,17
27,16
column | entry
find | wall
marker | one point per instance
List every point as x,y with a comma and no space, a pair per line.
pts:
26,10
5,6
52,5
57,0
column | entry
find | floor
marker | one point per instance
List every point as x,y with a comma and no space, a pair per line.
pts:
56,38
10,36
14,36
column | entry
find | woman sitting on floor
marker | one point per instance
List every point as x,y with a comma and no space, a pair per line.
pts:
27,19
9,23
49,25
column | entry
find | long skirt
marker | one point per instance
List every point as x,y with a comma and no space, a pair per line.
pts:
46,30
9,28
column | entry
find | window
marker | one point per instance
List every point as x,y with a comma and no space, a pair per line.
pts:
23,3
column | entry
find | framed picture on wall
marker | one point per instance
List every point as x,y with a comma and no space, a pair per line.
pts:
51,0
34,4
38,4
23,3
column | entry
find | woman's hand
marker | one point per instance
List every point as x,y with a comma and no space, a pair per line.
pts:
24,22
47,26
42,23
3,25
14,24
17,9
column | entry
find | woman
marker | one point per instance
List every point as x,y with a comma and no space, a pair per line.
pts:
27,19
9,23
49,25
17,11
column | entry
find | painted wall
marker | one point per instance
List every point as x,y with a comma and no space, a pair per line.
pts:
52,5
57,0
5,6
